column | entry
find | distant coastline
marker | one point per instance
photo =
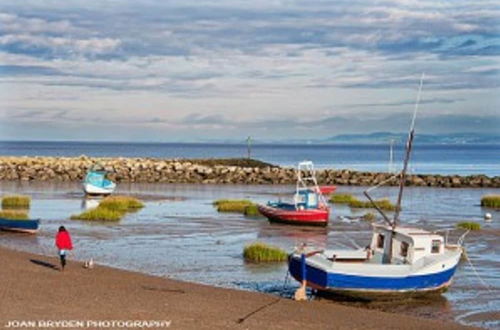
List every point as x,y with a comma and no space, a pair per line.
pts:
377,138
209,171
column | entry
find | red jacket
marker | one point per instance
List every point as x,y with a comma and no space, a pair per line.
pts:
63,241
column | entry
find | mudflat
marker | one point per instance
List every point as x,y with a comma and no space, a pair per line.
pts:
34,289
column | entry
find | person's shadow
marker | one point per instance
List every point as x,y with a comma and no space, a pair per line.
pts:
44,264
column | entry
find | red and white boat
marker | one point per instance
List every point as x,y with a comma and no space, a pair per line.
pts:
309,206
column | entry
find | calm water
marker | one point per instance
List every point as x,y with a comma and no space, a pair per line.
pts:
433,159
180,235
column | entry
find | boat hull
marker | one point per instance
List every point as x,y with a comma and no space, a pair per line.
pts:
325,190
313,217
20,226
371,287
90,189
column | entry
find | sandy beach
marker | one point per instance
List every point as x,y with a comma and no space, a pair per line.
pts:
34,289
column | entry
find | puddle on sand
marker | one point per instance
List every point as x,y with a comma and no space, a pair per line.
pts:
180,235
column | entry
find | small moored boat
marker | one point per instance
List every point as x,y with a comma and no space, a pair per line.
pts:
22,226
96,183
309,206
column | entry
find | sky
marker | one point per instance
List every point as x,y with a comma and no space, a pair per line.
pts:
173,71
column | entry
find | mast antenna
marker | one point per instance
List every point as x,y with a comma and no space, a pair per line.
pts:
409,144
402,174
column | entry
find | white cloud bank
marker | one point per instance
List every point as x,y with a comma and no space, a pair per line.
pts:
194,70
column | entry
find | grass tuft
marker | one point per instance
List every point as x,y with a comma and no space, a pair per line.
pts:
252,211
121,203
232,205
111,208
341,198
16,202
14,215
384,204
260,252
369,216
469,225
492,200
99,214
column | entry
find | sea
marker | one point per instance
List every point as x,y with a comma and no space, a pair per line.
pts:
445,159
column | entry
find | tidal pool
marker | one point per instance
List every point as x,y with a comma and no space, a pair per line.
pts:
180,235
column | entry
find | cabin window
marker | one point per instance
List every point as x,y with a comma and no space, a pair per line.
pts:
300,198
380,241
312,200
436,246
404,249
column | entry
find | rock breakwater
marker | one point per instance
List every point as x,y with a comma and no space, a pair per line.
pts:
210,171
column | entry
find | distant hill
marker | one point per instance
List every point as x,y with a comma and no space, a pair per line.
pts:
385,137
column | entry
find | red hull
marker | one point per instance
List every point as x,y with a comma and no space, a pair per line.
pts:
326,190
316,217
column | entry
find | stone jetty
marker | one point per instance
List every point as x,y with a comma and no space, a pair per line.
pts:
209,171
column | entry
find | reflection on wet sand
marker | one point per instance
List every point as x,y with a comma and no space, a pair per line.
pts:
435,306
90,203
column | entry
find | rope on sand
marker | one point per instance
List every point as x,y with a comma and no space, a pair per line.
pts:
486,285
285,282
244,318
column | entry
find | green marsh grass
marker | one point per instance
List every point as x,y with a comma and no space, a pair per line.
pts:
492,200
232,205
260,252
351,201
16,202
14,214
369,216
121,203
99,214
111,208
469,225
252,211
383,204
341,198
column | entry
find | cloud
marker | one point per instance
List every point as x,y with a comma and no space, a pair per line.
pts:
28,70
405,102
57,46
12,23
200,119
238,64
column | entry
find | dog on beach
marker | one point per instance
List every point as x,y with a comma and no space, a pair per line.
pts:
89,264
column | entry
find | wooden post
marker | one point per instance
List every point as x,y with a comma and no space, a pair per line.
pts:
249,147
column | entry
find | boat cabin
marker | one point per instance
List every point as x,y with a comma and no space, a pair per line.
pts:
306,199
409,245
97,178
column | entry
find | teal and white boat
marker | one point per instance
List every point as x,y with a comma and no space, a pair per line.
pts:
96,183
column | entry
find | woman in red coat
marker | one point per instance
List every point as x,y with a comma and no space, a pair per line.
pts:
63,243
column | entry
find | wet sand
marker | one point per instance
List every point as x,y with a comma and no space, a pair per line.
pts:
34,289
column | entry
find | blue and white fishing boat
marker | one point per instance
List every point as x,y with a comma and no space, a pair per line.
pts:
399,259
22,226
96,183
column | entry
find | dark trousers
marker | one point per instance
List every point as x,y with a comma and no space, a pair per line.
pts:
62,257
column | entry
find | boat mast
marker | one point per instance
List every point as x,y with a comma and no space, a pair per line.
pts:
409,144
391,155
